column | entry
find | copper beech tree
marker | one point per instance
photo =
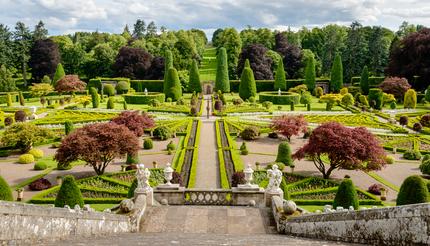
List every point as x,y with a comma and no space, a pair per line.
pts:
97,144
345,148
70,83
134,121
288,125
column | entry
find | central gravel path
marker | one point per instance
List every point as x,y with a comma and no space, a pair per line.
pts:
207,175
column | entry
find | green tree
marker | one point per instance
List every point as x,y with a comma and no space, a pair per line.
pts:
336,76
376,98
173,85
413,190
111,103
68,127
21,99
139,29
40,32
194,84
95,99
334,37
427,94
59,74
410,100
168,63
346,195
231,41
7,83
222,82
6,46
24,135
355,55
69,193
310,74
280,78
22,43
5,192
379,49
247,86
284,154
364,81
348,99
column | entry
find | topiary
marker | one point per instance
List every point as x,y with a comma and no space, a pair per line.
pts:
417,127
346,195
403,120
26,159
9,100
237,101
425,120
21,99
122,87
425,167
20,116
5,192
109,90
343,91
413,190
132,159
124,105
376,96
180,101
319,92
243,149
111,103
389,159
247,86
284,154
95,98
154,103
40,165
412,155
171,146
173,88
410,99
393,105
8,121
68,127
40,184
148,144
36,153
132,188
222,82
250,133
69,193
162,133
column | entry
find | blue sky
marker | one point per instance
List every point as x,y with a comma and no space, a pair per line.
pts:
66,16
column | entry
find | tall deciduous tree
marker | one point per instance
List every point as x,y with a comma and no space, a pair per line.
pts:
134,121
289,125
44,60
345,148
231,41
355,54
97,144
280,78
194,84
132,63
336,76
22,43
222,82
291,55
334,37
310,75
364,81
259,61
247,86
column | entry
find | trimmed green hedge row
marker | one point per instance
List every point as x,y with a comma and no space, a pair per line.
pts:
150,85
269,85
285,98
141,98
373,81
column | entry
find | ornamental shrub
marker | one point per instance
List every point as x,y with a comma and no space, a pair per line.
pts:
5,191
410,100
122,87
132,159
95,98
21,99
417,127
36,153
59,74
237,178
26,159
310,75
291,106
319,92
427,94
148,144
364,81
425,120
8,121
284,154
376,95
244,149
9,100
375,189
336,75
273,135
154,103
306,98
68,127
20,116
247,86
40,165
393,105
132,188
346,195
194,83
425,166
280,78
111,103
412,155
252,100
413,190
343,91
96,83
404,120
181,101
173,88
389,159
222,82
267,104
171,146
40,184
69,193
250,133
348,100
218,105
363,100
109,90
162,133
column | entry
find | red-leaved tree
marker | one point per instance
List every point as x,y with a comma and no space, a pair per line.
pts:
289,125
396,86
134,121
345,148
97,144
70,83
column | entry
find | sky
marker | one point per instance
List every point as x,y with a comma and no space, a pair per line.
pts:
68,16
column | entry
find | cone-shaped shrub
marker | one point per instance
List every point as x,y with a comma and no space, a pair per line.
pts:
21,99
5,192
168,63
364,81
69,193
222,82
346,195
284,154
68,127
194,84
247,87
172,83
95,99
413,190
111,103
336,76
310,74
132,189
59,74
280,78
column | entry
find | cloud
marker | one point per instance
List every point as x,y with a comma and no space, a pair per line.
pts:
62,16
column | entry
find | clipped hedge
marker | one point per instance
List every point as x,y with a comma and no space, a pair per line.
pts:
269,85
141,98
286,98
150,85
373,81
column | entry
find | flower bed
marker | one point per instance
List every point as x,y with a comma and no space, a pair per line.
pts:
60,116
285,98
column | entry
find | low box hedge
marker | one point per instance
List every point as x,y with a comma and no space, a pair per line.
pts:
150,85
285,98
141,98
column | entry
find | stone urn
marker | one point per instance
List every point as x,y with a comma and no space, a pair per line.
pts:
289,207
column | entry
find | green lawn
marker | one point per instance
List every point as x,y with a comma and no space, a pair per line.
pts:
208,65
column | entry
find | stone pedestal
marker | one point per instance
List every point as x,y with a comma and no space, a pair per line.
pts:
251,196
168,187
269,194
171,196
147,193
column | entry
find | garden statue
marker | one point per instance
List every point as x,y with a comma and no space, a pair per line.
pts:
146,92
279,92
275,178
142,176
33,115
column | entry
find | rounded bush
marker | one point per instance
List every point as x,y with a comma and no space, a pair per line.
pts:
375,189
389,159
417,127
403,120
250,133
40,184
111,103
132,159
148,144
26,159
425,167
286,98
284,154
40,165
237,101
267,104
5,192
171,146
412,155
8,121
162,133
122,87
237,178
141,98
20,116
425,120
413,190
346,195
243,149
36,153
69,193
109,90
273,135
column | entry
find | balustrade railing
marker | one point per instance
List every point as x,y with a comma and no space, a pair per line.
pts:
207,197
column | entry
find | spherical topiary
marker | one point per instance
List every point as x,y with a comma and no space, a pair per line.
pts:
250,133
122,87
26,159
111,103
8,121
425,120
413,190
171,146
162,133
389,159
244,149
425,167
132,188
109,90
284,154
417,127
69,193
346,195
412,155
403,120
20,116
40,165
5,192
36,153
148,144
132,159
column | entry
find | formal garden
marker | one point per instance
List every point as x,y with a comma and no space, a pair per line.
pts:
342,133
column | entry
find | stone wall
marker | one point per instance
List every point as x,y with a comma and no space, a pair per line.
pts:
24,223
403,225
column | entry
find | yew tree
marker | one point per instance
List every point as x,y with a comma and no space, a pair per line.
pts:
345,148
289,125
70,83
97,144
134,121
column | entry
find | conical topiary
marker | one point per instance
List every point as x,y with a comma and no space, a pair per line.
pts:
68,127
346,195
413,190
168,63
194,84
5,192
173,85
364,81
280,78
111,103
69,193
59,74
336,75
247,86
222,82
284,154
132,188
310,74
